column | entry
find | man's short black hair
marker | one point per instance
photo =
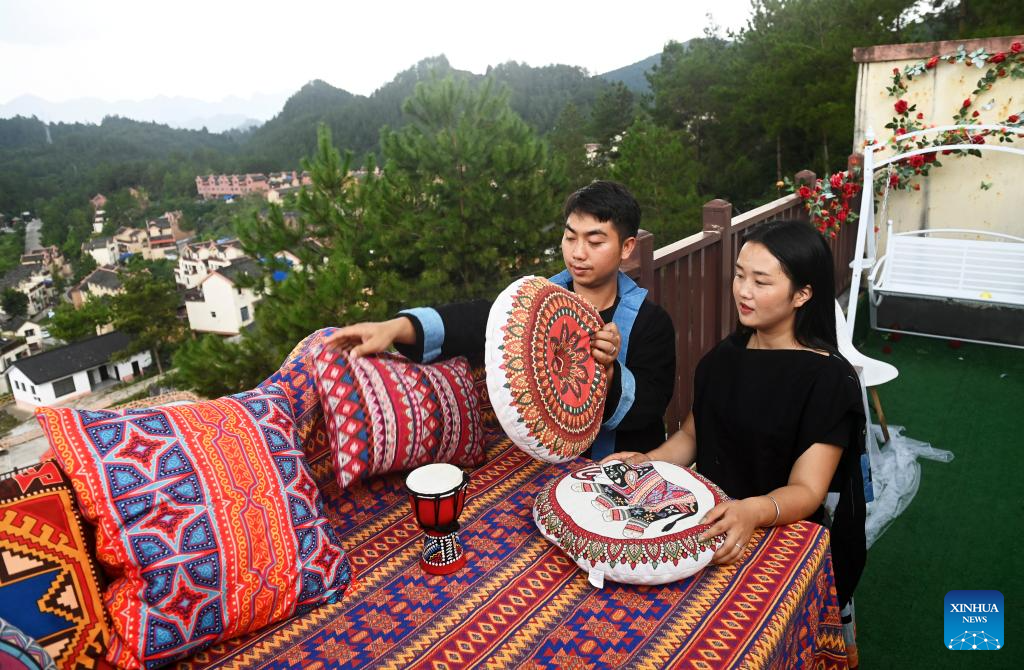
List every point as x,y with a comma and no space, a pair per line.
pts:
607,201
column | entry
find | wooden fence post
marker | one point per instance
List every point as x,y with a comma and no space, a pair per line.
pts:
717,219
805,178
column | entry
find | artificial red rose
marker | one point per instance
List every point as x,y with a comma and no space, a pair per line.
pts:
841,215
896,70
894,180
917,187
998,58
836,180
1002,72
929,157
1013,118
849,189
1016,47
946,152
804,192
901,106
917,161
920,115
977,139
932,62
900,131
967,103
975,114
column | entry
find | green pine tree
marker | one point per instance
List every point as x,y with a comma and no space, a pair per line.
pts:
147,310
662,172
468,200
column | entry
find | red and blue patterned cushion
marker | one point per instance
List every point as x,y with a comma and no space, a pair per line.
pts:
385,413
295,377
49,586
208,514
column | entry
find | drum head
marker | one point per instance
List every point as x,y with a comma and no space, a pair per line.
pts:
547,390
434,479
636,524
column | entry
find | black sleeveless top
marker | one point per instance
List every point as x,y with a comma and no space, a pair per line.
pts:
757,411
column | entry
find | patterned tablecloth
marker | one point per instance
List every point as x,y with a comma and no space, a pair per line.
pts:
521,603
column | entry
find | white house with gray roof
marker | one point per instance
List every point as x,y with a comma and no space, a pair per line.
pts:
221,304
74,370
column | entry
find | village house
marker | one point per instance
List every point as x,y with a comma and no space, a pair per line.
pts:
99,201
218,186
219,304
34,281
11,349
131,241
74,370
51,257
102,249
32,332
198,259
100,282
98,221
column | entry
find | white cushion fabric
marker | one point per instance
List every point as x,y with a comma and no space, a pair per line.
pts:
547,390
635,524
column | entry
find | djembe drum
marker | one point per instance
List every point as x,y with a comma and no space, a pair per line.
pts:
437,493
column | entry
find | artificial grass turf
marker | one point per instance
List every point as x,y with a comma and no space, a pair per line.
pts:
963,528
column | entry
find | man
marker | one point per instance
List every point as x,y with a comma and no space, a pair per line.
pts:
636,346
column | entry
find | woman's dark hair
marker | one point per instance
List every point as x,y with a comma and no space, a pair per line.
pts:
807,260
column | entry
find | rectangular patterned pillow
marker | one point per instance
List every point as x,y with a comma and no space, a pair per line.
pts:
296,378
385,413
208,514
49,586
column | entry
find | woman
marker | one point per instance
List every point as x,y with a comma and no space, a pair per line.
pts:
777,420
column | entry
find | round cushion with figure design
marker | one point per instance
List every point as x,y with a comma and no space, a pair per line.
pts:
547,390
633,524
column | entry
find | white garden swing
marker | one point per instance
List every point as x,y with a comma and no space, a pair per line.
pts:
939,264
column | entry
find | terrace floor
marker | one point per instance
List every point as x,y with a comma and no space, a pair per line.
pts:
963,529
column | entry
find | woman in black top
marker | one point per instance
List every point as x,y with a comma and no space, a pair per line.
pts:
777,418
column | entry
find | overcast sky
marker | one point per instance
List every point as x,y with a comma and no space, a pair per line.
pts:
207,49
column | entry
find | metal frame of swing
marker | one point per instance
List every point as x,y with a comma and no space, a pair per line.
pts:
925,265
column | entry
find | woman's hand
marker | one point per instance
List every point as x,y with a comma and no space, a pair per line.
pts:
627,457
736,519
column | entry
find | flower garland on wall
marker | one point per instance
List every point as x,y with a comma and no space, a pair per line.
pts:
827,201
1008,64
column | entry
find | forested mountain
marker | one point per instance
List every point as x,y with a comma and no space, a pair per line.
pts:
635,76
538,95
40,161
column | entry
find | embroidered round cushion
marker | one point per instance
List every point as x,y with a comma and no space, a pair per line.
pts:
547,390
634,524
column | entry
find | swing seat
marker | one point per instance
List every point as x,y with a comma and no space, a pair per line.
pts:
918,264
952,288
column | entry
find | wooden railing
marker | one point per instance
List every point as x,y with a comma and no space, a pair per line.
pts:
692,279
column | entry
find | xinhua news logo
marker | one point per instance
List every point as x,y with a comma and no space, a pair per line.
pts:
973,621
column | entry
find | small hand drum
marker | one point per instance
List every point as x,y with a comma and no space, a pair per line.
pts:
437,493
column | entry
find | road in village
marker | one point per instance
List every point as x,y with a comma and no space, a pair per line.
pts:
32,236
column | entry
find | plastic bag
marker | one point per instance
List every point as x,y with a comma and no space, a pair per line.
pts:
896,475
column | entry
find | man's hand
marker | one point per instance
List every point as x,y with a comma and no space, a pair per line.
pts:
372,337
605,345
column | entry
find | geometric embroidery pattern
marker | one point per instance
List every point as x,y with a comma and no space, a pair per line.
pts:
385,413
48,580
520,602
206,510
295,378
